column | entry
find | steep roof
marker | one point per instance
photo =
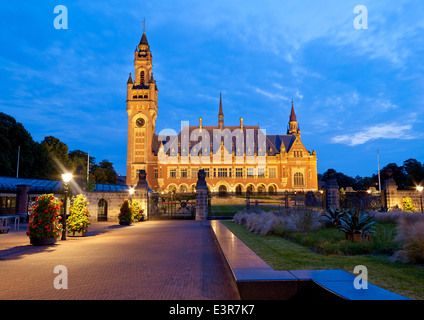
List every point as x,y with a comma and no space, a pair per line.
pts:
144,39
292,114
273,143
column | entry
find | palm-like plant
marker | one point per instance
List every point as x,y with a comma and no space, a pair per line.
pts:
334,216
355,223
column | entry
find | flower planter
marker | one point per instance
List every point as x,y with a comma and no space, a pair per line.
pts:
43,241
355,237
77,233
124,223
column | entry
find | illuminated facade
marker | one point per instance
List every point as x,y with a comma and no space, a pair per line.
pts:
235,158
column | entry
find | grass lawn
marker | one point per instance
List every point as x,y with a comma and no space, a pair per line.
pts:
281,254
229,210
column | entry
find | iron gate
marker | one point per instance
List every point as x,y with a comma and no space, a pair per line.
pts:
165,206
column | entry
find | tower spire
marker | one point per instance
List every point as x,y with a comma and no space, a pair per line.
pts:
292,114
293,126
220,114
143,37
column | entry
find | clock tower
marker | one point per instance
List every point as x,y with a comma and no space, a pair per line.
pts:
142,98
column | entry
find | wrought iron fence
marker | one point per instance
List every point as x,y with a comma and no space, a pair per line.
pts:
360,200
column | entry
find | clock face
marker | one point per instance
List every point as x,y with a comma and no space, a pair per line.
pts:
140,122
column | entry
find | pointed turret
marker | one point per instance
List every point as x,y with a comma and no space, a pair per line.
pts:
130,79
293,126
220,114
292,114
144,39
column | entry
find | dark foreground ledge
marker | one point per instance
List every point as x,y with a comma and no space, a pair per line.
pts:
256,280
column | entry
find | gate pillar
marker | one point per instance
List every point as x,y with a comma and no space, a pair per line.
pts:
201,196
332,191
390,191
141,192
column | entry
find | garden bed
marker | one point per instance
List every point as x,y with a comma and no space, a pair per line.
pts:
327,248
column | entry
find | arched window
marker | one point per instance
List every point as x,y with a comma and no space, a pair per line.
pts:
172,189
298,179
142,78
238,189
102,210
222,191
271,189
261,189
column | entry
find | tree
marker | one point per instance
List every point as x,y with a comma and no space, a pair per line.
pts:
78,159
58,156
343,180
103,173
397,173
413,171
32,159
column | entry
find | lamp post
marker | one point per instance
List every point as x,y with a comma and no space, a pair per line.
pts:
420,190
66,177
131,192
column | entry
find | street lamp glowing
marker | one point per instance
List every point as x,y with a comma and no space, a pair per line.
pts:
131,191
66,177
420,190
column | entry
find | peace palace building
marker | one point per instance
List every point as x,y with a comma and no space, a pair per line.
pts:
235,158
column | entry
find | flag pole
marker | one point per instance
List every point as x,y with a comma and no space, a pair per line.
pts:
378,164
17,167
88,166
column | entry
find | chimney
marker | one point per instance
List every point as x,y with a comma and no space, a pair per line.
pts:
241,124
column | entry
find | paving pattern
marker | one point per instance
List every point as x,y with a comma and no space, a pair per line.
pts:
153,260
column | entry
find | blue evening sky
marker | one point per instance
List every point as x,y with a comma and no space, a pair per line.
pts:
354,91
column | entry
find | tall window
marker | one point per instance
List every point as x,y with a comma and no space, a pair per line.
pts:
261,172
298,179
222,172
172,173
142,78
272,173
194,172
239,172
183,173
206,172
250,172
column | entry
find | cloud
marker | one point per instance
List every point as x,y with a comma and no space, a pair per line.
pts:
382,131
272,96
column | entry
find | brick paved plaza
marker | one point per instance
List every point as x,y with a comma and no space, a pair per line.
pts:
157,260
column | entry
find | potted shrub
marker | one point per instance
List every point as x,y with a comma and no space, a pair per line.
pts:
125,215
44,225
136,211
79,217
357,226
407,205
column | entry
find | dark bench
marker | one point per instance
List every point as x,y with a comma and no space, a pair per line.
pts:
4,229
256,280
